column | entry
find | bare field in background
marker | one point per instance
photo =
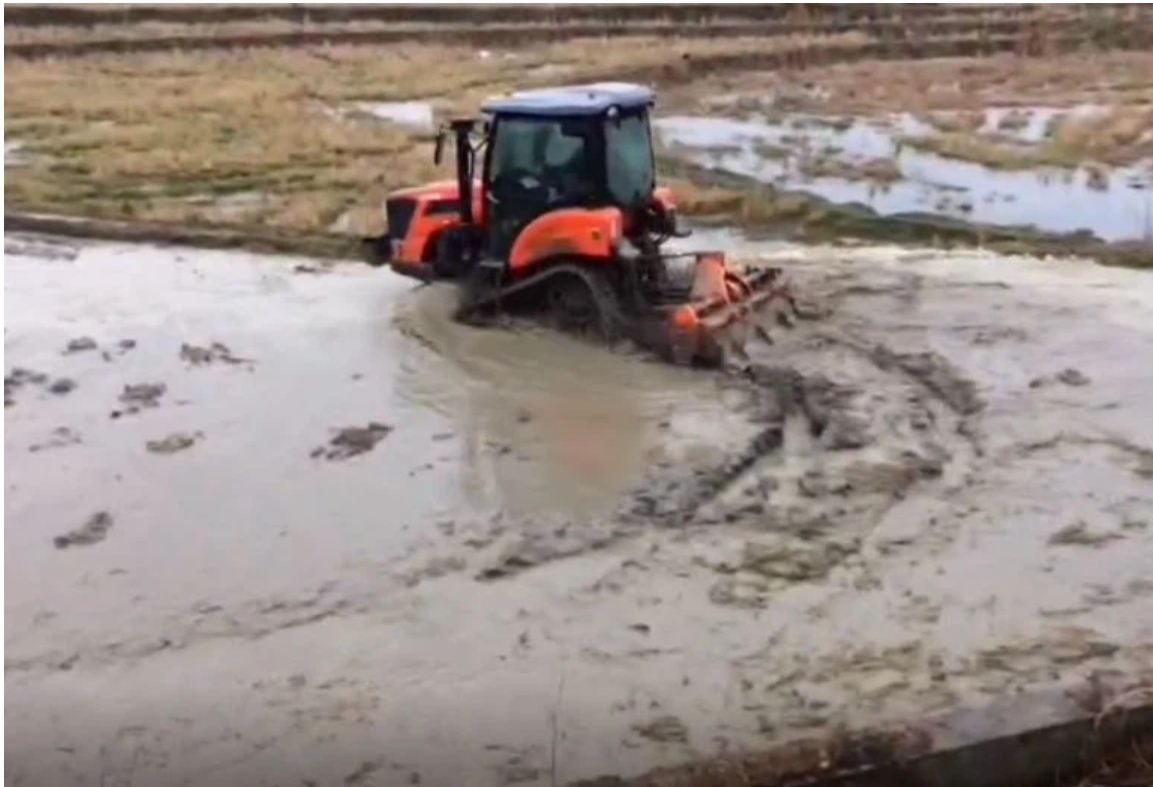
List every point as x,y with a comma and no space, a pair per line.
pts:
239,132
893,25
285,124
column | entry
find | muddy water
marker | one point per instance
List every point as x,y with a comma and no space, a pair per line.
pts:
481,423
972,518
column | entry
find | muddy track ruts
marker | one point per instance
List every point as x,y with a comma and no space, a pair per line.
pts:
893,38
85,16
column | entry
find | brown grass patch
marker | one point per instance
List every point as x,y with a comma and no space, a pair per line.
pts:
977,149
878,170
958,84
956,122
1123,135
138,136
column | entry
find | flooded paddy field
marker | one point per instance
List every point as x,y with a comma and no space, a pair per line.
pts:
964,139
274,521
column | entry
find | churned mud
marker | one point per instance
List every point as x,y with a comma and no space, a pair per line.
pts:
537,561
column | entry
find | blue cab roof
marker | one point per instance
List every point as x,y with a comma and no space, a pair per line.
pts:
583,100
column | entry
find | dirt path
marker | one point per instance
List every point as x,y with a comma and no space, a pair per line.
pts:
209,584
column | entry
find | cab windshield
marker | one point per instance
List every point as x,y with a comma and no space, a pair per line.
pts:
629,158
555,155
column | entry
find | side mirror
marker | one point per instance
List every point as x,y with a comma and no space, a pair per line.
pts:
438,150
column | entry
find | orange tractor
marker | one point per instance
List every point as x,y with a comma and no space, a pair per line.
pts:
565,217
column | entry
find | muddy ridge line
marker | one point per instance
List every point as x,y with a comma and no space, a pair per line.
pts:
988,35
30,14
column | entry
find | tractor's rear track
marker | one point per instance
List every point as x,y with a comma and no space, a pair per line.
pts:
616,322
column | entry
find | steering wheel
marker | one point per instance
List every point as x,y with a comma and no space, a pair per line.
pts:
511,186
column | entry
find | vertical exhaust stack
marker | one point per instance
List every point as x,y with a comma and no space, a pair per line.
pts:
465,159
464,164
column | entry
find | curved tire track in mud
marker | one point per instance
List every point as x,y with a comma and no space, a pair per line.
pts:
863,456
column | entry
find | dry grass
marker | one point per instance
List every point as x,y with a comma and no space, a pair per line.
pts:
113,26
138,136
955,84
878,170
273,27
1122,135
977,149
956,122
1132,767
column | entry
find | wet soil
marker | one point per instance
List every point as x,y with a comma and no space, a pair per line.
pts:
554,562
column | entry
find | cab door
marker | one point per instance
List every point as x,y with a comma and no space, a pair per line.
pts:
525,163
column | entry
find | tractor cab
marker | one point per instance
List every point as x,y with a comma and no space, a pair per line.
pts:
547,173
576,147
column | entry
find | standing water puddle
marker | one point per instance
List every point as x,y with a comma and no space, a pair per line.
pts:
416,114
14,154
782,153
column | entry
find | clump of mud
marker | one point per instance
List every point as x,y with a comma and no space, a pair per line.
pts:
173,443
353,441
201,356
664,729
91,532
19,378
1074,378
140,396
62,385
1079,534
312,269
61,437
79,344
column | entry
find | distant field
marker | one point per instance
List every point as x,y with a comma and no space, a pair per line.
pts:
278,117
124,13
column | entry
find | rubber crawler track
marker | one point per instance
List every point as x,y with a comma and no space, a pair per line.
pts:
615,324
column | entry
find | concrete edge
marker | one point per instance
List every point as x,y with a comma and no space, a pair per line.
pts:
1021,741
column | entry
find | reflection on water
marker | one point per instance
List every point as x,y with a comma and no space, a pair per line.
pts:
1050,200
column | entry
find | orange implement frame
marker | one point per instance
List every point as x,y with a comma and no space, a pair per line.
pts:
721,306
